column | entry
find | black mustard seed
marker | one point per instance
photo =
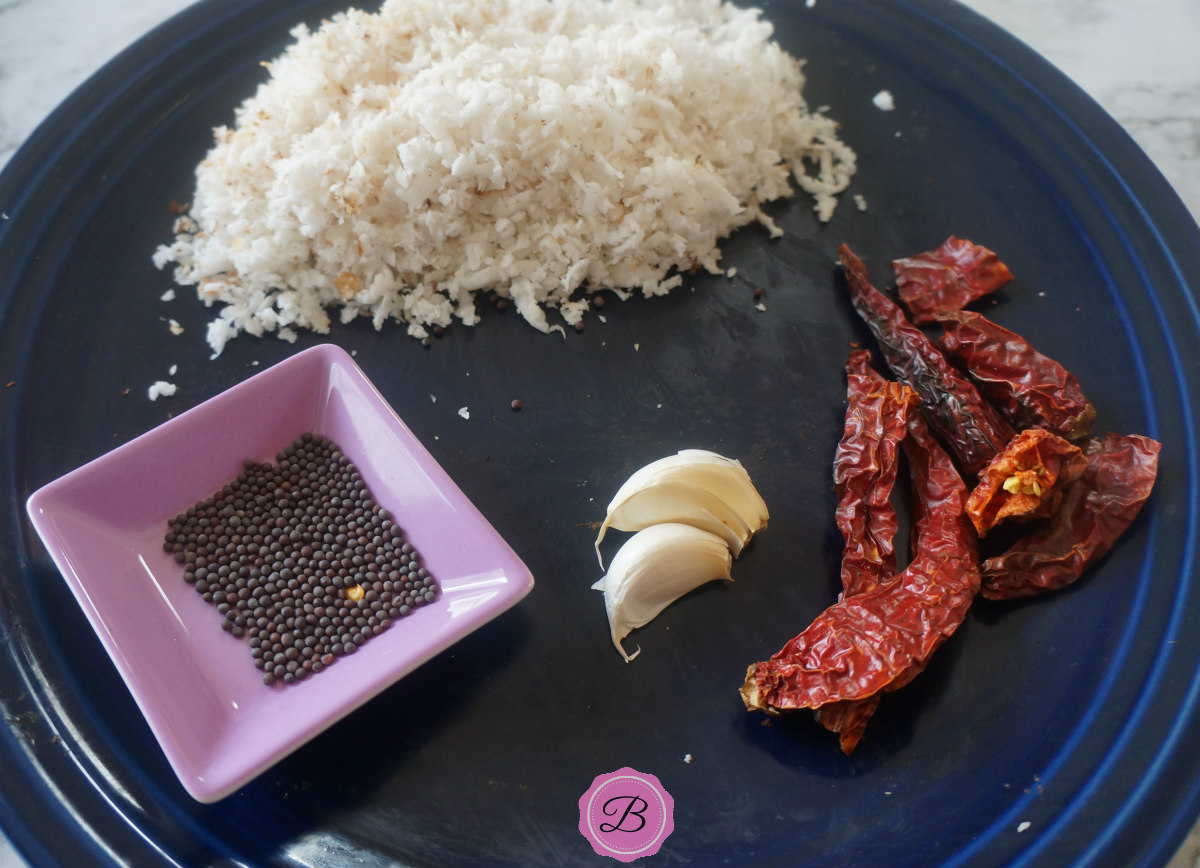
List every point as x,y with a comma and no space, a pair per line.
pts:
305,532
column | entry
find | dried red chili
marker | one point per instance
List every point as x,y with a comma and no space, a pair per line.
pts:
1026,480
880,639
848,718
883,629
971,427
1030,389
864,473
1096,509
947,279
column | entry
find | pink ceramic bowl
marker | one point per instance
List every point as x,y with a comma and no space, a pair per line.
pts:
103,524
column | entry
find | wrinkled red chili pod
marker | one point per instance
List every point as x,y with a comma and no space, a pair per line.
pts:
970,427
864,472
1026,480
865,466
880,639
1096,509
1030,389
948,278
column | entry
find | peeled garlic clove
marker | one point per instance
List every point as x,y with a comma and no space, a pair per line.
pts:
728,479
696,487
678,503
655,567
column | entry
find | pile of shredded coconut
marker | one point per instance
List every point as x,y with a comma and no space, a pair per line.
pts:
395,164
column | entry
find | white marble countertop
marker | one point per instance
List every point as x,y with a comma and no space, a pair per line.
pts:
1138,60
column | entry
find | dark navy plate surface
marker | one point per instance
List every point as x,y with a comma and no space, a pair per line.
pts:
1058,731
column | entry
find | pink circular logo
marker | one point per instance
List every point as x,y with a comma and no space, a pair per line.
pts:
626,814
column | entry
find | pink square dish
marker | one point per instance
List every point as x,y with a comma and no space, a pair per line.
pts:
103,525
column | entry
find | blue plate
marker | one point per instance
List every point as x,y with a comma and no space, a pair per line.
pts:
1056,731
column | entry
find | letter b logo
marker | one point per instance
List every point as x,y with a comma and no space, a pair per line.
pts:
626,814
635,806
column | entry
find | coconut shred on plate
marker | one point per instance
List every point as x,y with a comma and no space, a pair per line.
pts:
396,164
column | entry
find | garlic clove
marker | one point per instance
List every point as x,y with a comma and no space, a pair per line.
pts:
678,503
728,479
655,567
695,487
